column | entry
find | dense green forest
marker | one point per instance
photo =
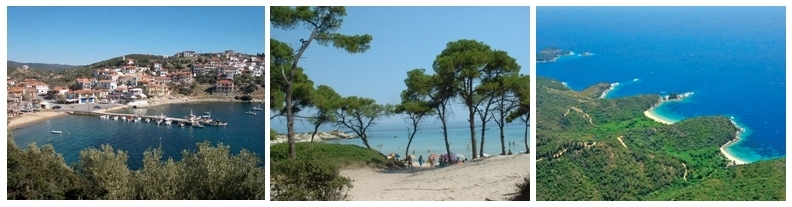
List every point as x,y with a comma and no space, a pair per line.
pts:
606,149
210,173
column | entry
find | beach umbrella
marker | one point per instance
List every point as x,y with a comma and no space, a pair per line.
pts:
398,156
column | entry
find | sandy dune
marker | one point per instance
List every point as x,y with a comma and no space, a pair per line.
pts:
491,178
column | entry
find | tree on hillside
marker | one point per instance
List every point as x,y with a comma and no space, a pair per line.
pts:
416,108
464,62
358,114
326,101
435,90
323,21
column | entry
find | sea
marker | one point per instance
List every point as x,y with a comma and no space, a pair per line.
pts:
731,58
393,137
80,132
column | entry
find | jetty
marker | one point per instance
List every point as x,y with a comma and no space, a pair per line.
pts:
152,117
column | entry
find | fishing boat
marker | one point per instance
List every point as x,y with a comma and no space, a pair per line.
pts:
161,116
198,125
168,122
57,132
256,108
159,121
181,124
123,118
115,117
104,117
250,113
208,112
148,120
137,119
192,117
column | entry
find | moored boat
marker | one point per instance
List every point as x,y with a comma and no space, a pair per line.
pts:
57,132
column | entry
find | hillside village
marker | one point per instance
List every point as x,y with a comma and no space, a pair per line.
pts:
133,79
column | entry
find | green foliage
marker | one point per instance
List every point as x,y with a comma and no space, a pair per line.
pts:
582,157
358,114
307,179
209,173
273,134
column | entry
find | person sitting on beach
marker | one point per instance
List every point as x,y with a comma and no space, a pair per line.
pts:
510,153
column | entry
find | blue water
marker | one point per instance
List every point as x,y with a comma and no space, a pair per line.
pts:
732,58
81,132
429,138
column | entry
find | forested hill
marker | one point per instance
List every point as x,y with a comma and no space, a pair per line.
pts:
42,66
606,149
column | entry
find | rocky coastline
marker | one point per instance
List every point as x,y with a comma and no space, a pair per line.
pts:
320,136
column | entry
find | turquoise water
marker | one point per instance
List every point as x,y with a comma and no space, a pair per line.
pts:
732,58
393,138
80,132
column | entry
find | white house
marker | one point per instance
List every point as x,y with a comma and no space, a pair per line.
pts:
107,84
42,88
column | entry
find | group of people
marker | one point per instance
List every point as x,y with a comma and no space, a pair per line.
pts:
432,161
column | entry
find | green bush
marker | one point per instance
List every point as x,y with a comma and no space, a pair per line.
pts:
273,134
307,179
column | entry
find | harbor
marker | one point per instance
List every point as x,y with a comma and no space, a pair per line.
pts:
196,121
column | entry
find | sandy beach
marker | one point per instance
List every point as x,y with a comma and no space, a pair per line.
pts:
30,118
490,178
649,113
731,157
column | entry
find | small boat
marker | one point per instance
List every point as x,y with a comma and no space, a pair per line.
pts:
57,132
104,117
168,122
148,120
181,124
198,125
208,112
159,122
257,108
250,113
115,117
123,118
137,119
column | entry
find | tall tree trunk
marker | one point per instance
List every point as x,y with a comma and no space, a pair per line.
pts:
365,141
472,131
409,141
289,89
527,124
316,129
501,124
483,131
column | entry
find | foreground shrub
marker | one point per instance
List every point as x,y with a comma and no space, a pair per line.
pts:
307,179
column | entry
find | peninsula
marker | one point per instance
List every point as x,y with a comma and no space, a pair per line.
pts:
551,54
589,148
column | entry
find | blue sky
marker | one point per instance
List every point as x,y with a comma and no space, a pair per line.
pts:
84,35
406,38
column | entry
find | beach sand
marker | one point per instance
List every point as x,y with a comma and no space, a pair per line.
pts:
653,116
30,118
730,156
490,178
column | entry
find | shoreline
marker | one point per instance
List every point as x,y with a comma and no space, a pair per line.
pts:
610,88
28,119
735,160
656,117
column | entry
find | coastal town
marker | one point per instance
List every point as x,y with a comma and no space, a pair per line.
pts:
138,81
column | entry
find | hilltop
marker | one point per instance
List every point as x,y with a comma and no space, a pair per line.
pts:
591,148
41,66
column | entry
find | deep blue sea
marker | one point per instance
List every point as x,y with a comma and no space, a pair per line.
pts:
81,132
732,58
392,137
